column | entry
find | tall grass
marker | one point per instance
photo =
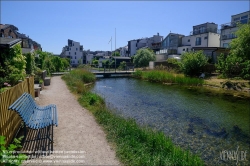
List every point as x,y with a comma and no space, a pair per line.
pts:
76,79
134,145
167,77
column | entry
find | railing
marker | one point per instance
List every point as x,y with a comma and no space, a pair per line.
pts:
234,23
206,30
113,68
10,121
228,36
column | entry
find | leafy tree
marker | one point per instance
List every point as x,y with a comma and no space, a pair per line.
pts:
66,62
192,62
57,62
12,65
122,65
30,63
95,61
143,57
115,53
238,60
105,62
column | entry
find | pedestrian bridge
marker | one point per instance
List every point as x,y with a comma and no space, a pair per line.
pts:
109,73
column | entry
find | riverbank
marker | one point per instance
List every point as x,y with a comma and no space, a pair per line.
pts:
227,87
134,145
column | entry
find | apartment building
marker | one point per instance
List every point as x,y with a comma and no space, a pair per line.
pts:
203,36
73,51
152,43
228,29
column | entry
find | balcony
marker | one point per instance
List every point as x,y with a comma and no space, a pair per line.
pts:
156,46
206,30
234,24
228,36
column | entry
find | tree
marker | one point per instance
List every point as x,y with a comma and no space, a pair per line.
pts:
30,63
115,53
12,65
193,62
238,60
143,57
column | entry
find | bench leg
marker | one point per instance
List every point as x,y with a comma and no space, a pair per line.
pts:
25,134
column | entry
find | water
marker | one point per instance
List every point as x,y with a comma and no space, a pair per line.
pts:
204,124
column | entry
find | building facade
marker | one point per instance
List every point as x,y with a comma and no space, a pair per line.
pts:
152,43
228,29
10,31
73,51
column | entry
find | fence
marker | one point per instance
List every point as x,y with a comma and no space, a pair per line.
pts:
9,120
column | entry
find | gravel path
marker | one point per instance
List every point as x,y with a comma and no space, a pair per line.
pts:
77,129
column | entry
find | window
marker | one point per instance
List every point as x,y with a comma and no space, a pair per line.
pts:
188,40
237,19
225,45
198,41
183,49
73,44
205,37
75,53
187,49
69,48
75,57
76,49
244,19
69,53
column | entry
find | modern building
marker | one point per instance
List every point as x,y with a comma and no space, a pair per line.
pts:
203,35
73,51
228,29
172,41
152,43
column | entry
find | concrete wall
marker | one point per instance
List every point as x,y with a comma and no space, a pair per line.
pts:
213,40
161,57
183,49
186,41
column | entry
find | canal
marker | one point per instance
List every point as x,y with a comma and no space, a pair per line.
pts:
205,124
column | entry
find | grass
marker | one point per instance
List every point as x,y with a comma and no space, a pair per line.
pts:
167,77
135,145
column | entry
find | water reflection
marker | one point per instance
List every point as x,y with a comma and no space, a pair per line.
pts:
206,125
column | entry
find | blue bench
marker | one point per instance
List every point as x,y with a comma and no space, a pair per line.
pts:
36,117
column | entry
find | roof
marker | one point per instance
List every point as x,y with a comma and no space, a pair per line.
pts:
240,13
4,26
9,42
21,35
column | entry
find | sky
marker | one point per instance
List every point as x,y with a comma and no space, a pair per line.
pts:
93,23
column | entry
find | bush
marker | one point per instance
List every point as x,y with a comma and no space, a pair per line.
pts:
193,62
7,155
143,57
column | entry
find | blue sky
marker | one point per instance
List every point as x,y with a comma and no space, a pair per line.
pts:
92,23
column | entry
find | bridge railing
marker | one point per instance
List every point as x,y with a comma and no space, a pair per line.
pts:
113,68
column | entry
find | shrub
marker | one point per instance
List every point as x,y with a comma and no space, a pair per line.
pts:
143,57
193,62
6,154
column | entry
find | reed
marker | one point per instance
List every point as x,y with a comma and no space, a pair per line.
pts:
167,77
